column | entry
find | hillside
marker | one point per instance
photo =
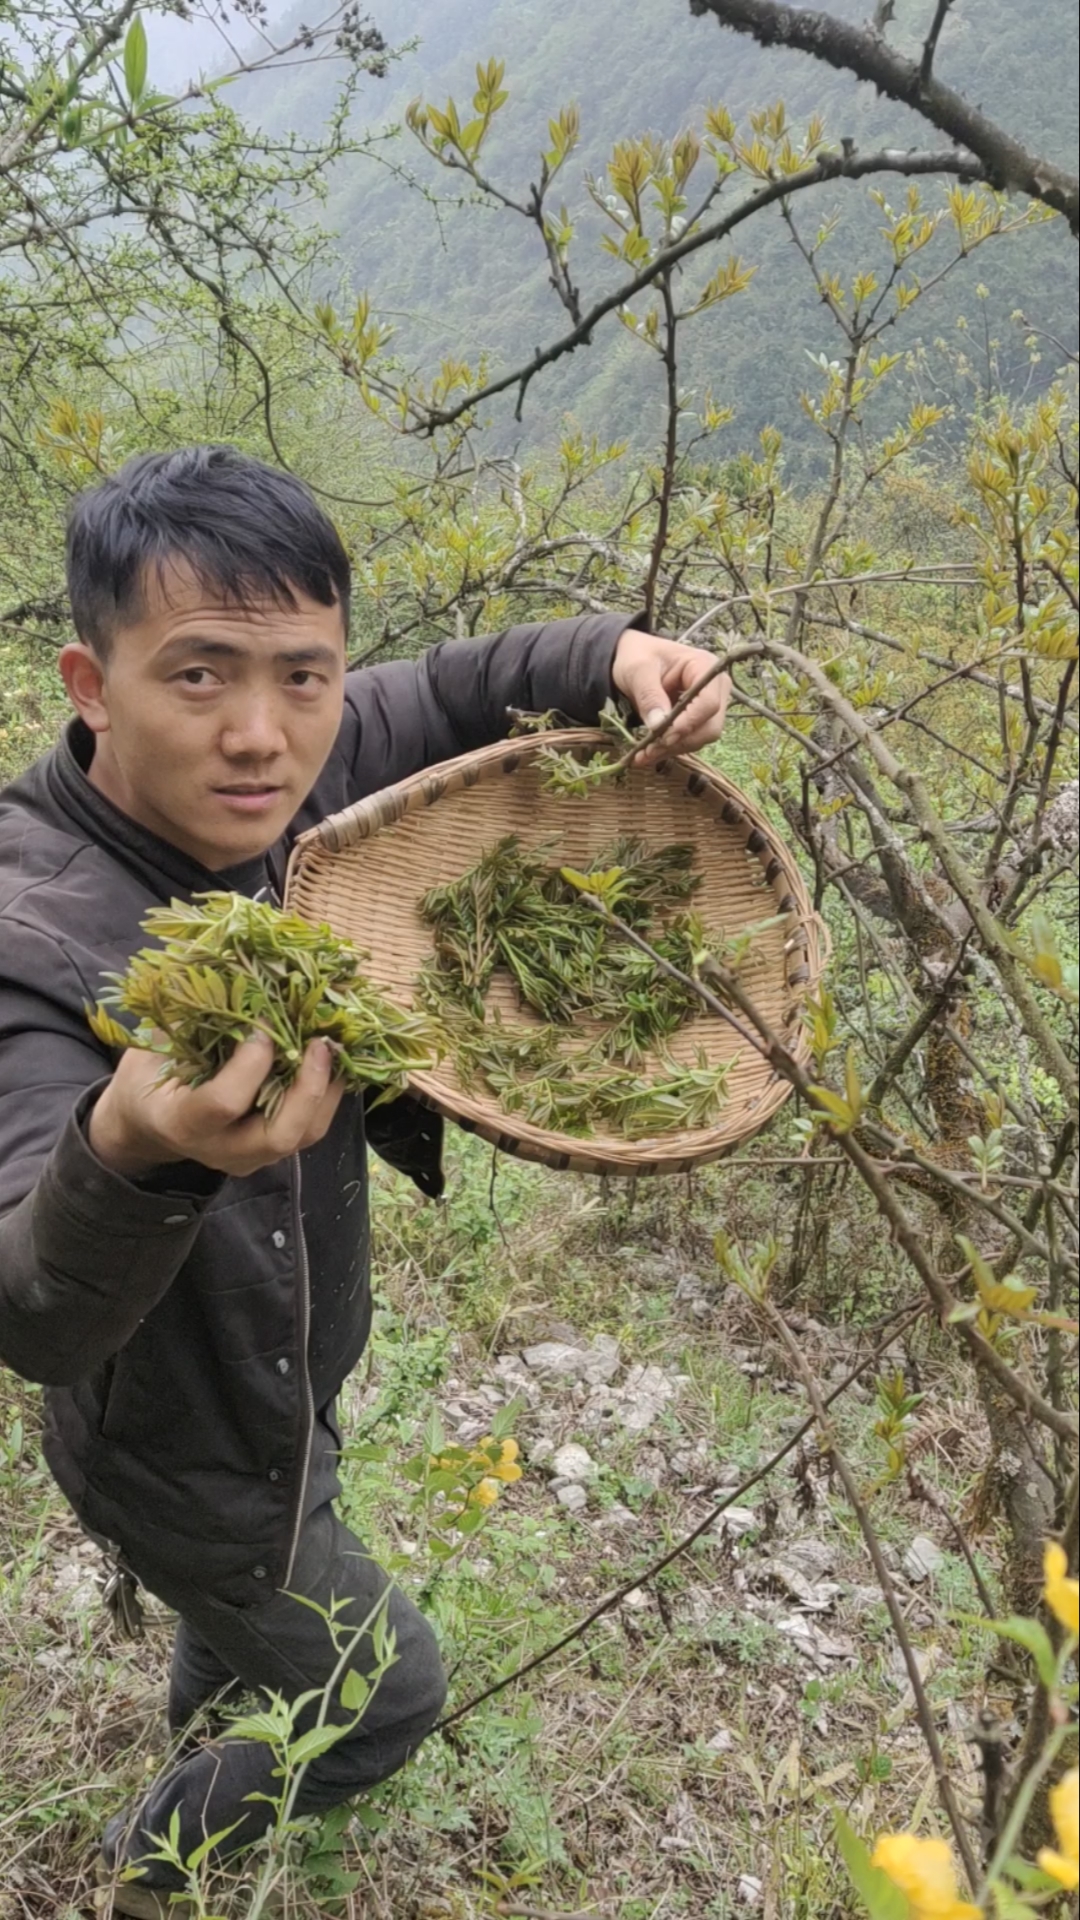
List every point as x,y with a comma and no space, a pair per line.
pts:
460,279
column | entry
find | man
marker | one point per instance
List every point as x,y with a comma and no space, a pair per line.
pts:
189,1280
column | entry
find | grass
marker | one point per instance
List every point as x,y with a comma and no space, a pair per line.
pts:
684,1757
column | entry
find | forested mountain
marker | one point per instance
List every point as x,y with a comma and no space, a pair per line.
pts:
464,278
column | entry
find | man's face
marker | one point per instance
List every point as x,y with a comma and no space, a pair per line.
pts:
212,721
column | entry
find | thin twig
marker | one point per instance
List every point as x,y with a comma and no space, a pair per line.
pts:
923,1708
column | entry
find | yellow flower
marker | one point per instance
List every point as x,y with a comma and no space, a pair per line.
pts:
504,1466
1064,1866
1061,1594
484,1494
443,1463
926,1871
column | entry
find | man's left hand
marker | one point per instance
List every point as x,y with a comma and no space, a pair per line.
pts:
652,673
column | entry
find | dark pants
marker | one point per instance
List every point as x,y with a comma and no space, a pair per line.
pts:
285,1647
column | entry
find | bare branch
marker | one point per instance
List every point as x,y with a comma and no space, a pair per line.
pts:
926,64
1008,166
831,166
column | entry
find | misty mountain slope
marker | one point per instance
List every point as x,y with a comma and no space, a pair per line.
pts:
461,279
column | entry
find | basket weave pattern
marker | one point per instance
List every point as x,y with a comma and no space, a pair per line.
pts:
365,870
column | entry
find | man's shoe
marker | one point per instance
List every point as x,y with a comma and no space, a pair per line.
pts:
147,1903
141,1903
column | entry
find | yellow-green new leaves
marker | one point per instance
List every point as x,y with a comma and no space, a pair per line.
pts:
751,1271
896,1406
564,133
1006,1299
730,278
1042,954
135,61
228,967
108,1030
443,133
820,1015
842,1111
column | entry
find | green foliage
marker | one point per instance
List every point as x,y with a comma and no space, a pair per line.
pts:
227,968
513,911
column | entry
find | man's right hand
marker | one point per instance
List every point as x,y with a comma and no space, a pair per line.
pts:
141,1123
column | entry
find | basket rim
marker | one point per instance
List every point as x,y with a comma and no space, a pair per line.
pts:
677,1152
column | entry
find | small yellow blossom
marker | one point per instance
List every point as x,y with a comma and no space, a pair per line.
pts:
1061,1594
926,1871
504,1467
485,1493
1063,1863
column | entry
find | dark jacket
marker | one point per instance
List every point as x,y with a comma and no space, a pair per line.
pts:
187,1325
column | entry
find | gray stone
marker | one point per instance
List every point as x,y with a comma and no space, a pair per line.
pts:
572,1496
645,1394
571,1462
555,1358
922,1559
814,1558
602,1360
616,1516
737,1521
730,1476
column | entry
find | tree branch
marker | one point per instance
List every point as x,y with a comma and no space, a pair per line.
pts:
832,166
1008,166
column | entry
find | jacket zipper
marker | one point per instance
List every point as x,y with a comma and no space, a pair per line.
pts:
308,1431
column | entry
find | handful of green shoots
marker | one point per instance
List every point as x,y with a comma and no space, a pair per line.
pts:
228,967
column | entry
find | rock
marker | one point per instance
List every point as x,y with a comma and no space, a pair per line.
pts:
750,1889
572,1496
722,1741
813,1558
571,1462
922,1558
595,1364
690,1463
617,1516
927,1660
863,1598
820,1647
736,1521
78,1586
730,1476
636,1599
645,1394
815,1596
602,1360
684,1827
540,1450
555,1358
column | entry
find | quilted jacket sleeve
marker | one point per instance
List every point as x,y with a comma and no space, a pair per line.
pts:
408,714
84,1253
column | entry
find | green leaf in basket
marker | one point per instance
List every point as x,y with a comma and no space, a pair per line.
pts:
515,916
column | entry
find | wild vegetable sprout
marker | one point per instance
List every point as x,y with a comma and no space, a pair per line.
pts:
516,911
228,967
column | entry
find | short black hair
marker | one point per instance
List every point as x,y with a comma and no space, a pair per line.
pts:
246,529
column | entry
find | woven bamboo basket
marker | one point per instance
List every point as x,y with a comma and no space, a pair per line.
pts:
364,870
